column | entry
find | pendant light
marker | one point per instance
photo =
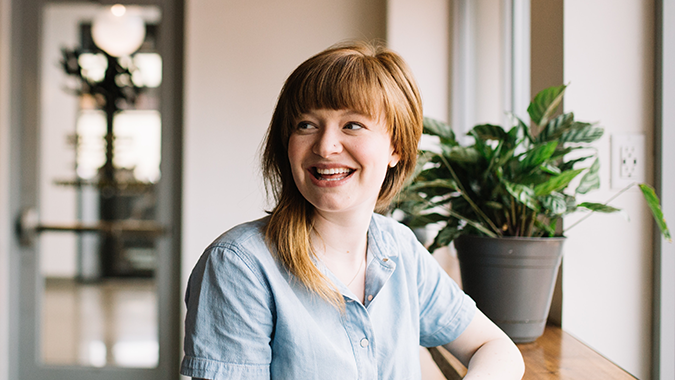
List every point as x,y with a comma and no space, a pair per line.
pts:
117,31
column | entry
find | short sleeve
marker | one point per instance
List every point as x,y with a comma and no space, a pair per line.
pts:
229,321
445,310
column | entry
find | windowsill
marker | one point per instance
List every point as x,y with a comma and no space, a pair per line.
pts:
556,355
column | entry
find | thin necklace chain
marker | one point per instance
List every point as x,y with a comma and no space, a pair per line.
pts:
360,265
357,272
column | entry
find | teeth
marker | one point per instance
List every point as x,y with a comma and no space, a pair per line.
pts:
332,171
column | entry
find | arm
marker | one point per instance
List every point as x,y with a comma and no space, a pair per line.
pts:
487,351
229,321
484,348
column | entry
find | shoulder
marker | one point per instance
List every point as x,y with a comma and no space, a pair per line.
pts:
249,233
243,248
392,233
388,225
246,240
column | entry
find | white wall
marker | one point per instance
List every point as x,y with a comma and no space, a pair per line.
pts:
238,54
607,285
490,59
419,30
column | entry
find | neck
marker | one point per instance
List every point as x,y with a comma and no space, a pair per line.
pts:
341,244
340,235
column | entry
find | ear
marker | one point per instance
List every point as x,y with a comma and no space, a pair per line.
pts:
394,159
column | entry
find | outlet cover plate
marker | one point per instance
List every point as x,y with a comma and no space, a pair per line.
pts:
628,160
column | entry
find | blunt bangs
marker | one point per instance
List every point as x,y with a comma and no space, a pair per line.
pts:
352,81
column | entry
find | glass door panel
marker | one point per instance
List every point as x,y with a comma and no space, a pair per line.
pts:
99,159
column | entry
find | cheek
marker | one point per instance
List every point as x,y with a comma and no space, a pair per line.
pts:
381,157
294,151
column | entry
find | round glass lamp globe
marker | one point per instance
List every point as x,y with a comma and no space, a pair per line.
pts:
117,32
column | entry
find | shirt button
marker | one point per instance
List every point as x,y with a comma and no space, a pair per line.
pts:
385,259
364,342
370,297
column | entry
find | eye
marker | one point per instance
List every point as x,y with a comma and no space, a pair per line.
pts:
304,125
353,126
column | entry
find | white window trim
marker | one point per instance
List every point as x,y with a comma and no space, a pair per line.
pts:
516,64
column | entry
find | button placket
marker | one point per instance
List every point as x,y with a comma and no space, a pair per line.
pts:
358,326
378,274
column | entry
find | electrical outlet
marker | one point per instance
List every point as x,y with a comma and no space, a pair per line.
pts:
628,160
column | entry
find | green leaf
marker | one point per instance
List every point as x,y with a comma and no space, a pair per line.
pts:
438,128
567,165
537,156
562,152
598,207
653,203
571,202
462,154
523,194
549,229
471,222
590,180
545,103
423,158
445,236
424,219
556,128
486,132
582,133
441,183
411,203
555,203
504,157
535,178
550,169
514,132
556,183
494,205
520,126
484,149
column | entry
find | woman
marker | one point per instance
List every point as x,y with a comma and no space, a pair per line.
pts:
324,288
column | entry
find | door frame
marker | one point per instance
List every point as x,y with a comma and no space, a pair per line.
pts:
23,132
663,338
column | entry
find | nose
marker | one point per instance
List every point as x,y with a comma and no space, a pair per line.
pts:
327,143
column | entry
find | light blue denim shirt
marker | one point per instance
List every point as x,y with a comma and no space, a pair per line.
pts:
248,318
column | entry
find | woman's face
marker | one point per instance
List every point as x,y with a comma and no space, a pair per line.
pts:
339,159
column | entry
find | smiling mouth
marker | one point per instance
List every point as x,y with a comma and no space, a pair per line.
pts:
331,174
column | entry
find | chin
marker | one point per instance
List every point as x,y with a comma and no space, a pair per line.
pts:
329,206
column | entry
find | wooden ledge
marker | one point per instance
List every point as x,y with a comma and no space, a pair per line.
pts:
558,355
555,355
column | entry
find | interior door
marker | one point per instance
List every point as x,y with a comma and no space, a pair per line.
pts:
97,178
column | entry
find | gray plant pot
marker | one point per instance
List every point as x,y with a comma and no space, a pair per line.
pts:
511,279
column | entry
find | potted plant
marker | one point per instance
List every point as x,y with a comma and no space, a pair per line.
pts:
500,200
